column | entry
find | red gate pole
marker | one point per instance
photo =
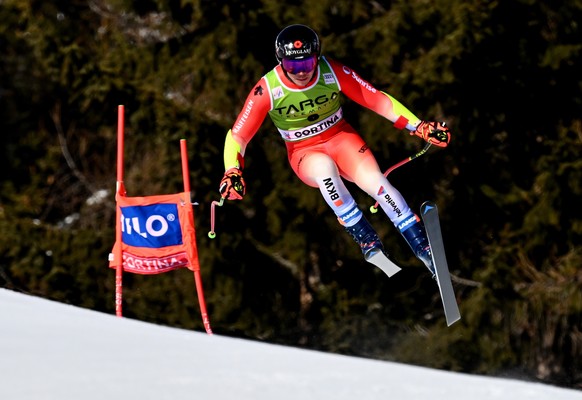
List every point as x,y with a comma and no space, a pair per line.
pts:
120,191
196,267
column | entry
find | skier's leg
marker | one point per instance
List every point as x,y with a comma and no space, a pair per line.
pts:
349,214
395,207
365,172
319,170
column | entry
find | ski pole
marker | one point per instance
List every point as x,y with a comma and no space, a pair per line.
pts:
212,233
374,208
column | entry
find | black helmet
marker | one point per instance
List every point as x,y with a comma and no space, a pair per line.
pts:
296,42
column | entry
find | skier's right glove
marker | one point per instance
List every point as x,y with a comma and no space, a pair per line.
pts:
436,133
232,185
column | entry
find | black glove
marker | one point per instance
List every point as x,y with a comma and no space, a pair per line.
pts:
232,185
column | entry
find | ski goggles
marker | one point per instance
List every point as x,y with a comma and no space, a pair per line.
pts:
297,66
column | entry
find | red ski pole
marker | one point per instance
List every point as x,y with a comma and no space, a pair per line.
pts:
374,208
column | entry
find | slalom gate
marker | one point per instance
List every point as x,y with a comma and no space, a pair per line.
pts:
154,234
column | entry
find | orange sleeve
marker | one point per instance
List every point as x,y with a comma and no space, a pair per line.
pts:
246,125
252,115
366,95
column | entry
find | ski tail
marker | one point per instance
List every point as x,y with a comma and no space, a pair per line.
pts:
380,260
430,217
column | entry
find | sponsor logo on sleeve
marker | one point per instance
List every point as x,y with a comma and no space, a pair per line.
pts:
258,91
357,78
243,118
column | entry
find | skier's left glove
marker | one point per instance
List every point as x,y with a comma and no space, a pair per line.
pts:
436,133
232,185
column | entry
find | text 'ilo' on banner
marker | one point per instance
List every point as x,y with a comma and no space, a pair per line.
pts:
157,234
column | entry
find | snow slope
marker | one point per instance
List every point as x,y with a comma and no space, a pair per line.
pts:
50,350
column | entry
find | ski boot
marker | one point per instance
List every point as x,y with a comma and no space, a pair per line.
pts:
415,235
366,237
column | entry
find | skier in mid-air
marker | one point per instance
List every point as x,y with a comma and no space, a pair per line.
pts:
301,96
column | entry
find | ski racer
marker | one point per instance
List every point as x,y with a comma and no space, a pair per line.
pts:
302,97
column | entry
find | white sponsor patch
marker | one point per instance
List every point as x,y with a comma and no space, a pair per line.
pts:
277,92
328,78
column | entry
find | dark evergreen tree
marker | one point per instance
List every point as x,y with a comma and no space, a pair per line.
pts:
504,75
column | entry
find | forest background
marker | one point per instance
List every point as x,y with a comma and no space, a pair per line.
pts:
505,75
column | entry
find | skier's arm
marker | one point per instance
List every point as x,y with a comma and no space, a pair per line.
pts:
436,133
365,94
246,125
248,122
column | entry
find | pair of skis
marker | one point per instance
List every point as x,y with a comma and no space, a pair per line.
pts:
430,218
